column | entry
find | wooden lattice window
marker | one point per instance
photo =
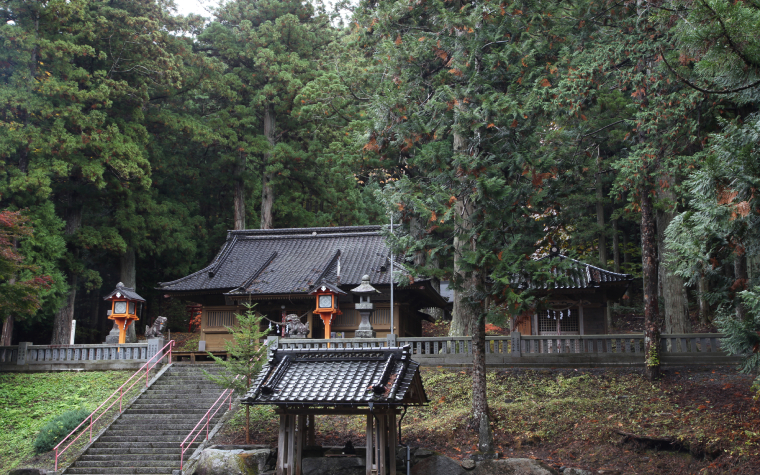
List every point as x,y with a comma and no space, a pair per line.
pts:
559,321
381,316
220,318
349,318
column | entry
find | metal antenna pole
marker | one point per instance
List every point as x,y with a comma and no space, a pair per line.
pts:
393,332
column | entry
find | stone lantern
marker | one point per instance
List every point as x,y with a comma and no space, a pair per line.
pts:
365,308
124,301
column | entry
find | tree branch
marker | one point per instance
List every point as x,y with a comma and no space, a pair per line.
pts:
706,91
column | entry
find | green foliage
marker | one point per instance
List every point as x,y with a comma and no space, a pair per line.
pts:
743,337
247,352
21,283
58,428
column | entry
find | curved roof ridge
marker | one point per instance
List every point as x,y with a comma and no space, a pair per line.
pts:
228,244
321,229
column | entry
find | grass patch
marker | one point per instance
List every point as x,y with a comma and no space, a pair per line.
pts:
28,401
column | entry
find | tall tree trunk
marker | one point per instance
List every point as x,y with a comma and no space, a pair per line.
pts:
267,178
463,318
616,245
128,277
740,284
649,271
676,308
65,314
704,306
600,213
7,336
480,419
239,195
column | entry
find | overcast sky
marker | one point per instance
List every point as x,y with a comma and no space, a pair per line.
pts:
185,7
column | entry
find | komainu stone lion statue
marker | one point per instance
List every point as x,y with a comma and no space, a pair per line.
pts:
295,329
154,331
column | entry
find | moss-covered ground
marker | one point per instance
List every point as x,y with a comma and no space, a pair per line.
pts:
575,418
28,401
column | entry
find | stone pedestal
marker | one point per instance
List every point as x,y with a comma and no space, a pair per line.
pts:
113,335
365,327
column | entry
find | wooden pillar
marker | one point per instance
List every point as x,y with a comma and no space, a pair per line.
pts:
300,437
392,442
282,444
370,446
311,432
291,444
382,443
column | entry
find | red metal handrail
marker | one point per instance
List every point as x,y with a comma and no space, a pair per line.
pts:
147,366
206,419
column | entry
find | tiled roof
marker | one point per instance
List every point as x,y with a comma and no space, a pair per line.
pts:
127,292
287,261
575,275
337,377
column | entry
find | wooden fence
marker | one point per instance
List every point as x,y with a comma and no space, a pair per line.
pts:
544,350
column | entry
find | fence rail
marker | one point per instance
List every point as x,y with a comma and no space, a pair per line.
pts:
695,348
61,353
29,357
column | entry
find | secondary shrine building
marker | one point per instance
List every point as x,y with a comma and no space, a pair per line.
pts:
279,269
575,304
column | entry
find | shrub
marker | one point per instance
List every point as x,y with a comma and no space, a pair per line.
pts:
58,428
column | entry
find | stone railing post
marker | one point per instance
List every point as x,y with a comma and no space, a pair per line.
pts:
516,344
22,351
391,339
154,345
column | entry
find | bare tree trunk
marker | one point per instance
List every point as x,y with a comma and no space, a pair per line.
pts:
704,306
616,245
463,317
7,335
64,315
600,213
740,284
127,269
267,185
239,199
480,419
649,271
672,286
128,277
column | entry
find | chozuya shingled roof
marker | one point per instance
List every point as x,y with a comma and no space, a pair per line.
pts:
575,275
288,261
339,377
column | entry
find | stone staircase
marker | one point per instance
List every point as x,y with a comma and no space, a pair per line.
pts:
146,438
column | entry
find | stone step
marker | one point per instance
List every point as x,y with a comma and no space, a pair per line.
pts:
147,432
168,440
121,470
166,412
158,419
183,392
146,439
148,425
144,462
178,405
142,445
136,451
124,457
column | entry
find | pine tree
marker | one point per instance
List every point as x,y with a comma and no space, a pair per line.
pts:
246,356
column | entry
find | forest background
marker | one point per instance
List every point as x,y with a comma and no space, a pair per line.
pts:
624,133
